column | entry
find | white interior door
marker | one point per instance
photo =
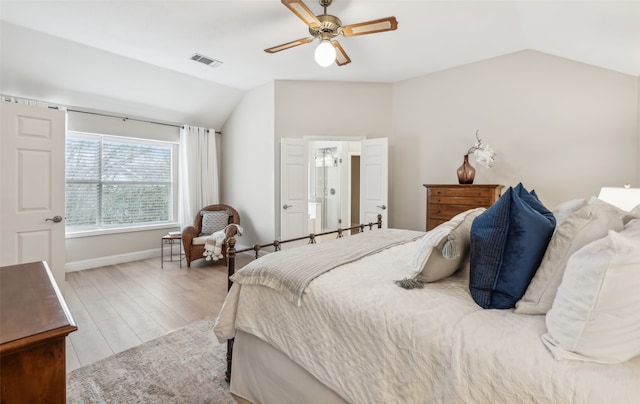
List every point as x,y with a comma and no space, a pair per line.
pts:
32,187
374,175
294,198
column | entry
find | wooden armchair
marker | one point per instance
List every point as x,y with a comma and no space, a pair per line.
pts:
193,237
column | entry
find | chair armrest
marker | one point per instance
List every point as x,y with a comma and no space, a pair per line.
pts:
231,231
188,234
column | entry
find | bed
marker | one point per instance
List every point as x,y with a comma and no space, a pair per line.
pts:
356,333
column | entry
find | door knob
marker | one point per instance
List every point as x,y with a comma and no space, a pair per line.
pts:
383,207
285,206
55,219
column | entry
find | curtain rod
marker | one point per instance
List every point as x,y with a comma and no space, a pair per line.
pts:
124,118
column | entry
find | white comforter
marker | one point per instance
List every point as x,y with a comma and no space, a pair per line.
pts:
374,342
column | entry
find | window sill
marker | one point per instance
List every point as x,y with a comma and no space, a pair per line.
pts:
117,230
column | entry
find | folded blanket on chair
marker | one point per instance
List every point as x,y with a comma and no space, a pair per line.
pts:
214,243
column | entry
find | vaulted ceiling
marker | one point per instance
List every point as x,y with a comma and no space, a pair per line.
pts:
431,35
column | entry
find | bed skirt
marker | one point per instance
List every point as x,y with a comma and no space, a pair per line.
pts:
262,374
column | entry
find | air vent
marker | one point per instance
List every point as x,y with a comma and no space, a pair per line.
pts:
211,62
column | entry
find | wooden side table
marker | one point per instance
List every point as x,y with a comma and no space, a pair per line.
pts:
444,201
171,239
34,322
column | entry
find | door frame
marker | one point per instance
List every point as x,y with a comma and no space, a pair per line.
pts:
346,157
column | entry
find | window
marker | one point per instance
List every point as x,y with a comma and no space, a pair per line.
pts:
115,182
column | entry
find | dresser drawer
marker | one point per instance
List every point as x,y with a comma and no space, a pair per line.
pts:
432,223
466,192
447,200
461,200
447,211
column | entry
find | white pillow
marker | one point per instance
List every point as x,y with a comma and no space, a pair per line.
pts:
587,224
595,316
632,229
429,262
626,216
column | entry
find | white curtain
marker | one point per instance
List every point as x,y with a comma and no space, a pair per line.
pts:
199,183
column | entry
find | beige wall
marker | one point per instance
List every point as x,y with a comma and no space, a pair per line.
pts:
332,110
248,158
289,109
562,128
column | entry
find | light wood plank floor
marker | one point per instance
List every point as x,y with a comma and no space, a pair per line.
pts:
117,307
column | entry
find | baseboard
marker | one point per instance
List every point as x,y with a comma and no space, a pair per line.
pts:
122,258
112,260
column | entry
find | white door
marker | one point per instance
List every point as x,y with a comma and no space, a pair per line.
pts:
32,186
294,199
374,174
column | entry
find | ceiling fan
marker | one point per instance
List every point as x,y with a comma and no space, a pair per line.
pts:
326,27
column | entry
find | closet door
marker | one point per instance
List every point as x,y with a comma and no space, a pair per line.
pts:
32,142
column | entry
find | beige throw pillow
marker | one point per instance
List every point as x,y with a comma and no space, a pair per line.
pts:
589,223
430,261
565,209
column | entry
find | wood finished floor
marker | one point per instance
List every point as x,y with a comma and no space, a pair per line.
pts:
117,307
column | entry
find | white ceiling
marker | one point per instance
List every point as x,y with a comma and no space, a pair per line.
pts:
431,35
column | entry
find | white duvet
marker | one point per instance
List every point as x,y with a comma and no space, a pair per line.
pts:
373,342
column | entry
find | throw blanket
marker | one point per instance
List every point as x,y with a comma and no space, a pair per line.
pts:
290,271
214,243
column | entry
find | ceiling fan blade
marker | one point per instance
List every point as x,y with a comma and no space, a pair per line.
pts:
302,11
288,45
370,27
341,56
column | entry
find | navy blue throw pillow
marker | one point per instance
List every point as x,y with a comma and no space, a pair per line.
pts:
508,241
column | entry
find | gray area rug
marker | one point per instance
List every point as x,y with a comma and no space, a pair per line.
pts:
183,366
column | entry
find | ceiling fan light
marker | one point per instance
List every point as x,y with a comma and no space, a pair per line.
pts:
325,53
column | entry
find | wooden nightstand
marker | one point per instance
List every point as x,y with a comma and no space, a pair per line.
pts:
444,201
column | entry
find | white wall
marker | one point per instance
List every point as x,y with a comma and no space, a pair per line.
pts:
562,128
248,158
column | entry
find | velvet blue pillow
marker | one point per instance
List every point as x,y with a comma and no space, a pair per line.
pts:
507,244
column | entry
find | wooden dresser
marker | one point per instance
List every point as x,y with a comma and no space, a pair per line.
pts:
444,201
34,322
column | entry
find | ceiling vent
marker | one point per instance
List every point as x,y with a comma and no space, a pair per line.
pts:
211,62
